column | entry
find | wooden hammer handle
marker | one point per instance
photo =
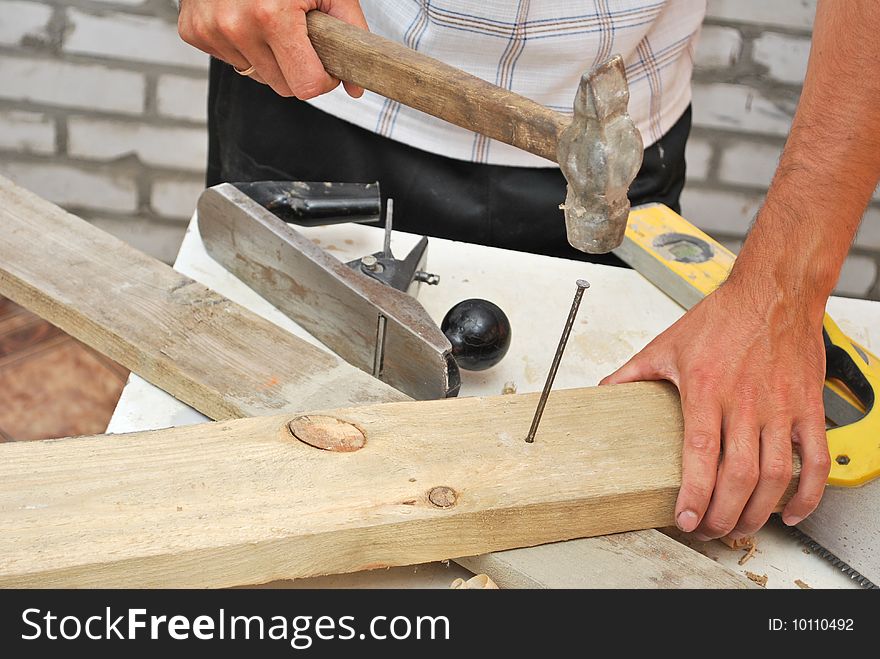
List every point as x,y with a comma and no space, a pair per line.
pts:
421,82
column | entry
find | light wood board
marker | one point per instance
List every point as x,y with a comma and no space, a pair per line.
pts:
192,342
639,559
245,502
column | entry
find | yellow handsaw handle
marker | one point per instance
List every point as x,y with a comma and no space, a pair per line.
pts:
687,264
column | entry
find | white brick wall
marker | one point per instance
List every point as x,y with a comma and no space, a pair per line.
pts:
88,87
784,56
75,187
749,163
121,36
102,109
719,47
23,20
721,212
698,158
26,132
183,97
175,198
779,13
740,108
160,146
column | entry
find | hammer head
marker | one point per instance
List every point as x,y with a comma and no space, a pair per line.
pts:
599,153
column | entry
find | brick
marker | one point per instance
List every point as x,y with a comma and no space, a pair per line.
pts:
719,47
123,36
856,276
29,132
720,212
20,20
784,56
173,198
697,156
869,231
159,240
796,14
179,148
183,98
73,187
749,163
89,86
740,108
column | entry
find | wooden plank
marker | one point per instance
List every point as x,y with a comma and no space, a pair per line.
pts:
192,342
229,367
247,502
643,559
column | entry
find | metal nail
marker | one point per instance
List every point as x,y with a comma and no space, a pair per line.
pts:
582,285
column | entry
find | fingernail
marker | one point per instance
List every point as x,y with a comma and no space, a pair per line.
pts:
792,520
736,535
701,537
687,520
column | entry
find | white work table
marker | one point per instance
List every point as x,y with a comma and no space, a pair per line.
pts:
620,313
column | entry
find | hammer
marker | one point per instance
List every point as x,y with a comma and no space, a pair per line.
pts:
599,149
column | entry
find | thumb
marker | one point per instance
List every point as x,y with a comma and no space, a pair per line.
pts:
645,365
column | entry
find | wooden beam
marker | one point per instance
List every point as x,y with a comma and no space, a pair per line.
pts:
640,559
245,501
205,350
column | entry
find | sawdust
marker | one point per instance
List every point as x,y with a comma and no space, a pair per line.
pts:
803,585
478,582
749,554
760,579
745,541
509,388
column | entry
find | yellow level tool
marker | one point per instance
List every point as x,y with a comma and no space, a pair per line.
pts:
687,264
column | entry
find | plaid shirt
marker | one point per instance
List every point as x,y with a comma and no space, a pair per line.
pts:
537,48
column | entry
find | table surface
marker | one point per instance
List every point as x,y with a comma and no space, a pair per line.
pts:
620,313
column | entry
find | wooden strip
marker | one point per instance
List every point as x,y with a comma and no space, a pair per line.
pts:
247,502
643,559
192,342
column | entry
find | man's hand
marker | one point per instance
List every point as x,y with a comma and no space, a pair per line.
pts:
750,367
749,360
270,35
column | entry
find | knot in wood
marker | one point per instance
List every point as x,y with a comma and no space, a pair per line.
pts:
327,433
442,496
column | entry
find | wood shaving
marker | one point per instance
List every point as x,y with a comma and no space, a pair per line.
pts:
749,555
509,388
478,582
760,579
745,541
803,585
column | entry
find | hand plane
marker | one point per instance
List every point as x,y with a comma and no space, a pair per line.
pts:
364,310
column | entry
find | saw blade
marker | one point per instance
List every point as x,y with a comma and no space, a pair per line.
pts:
826,555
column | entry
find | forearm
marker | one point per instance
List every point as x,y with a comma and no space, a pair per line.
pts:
829,167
